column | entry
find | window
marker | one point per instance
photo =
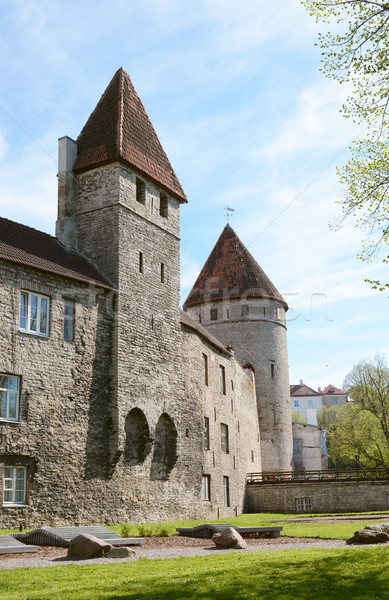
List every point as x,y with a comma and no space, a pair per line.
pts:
140,191
303,504
252,455
206,487
162,273
224,438
207,443
213,314
163,205
222,380
334,401
245,310
15,485
296,403
9,398
310,403
296,447
205,363
228,313
34,313
140,262
68,321
272,370
226,491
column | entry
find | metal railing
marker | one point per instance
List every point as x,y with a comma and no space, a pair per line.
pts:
341,474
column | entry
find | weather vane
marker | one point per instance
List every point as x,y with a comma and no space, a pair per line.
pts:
228,211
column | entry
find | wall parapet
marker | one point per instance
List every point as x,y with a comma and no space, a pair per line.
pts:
325,476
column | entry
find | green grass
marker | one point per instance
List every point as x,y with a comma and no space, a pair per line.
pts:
337,530
349,574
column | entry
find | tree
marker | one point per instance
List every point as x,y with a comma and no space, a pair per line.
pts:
297,418
359,54
358,433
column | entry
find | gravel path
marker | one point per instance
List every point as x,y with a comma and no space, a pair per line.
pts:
161,547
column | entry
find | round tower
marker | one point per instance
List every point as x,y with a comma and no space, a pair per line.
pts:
237,302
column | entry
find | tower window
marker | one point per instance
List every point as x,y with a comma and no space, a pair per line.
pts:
162,273
213,314
140,191
224,438
206,487
226,490
205,363
222,380
272,370
163,205
245,310
140,262
207,443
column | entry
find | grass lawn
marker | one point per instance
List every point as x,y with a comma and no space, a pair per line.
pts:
338,530
346,574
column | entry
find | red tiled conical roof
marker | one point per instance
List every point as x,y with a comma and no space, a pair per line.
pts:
119,129
231,272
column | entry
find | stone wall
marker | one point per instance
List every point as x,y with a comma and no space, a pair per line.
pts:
320,497
310,456
259,339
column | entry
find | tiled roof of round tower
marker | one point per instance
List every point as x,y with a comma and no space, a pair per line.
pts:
231,272
120,129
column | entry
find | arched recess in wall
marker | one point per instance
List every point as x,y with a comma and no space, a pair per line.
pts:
138,441
165,448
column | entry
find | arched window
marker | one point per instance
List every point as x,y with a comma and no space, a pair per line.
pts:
138,441
165,448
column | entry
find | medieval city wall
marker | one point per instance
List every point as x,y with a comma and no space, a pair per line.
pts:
259,339
319,497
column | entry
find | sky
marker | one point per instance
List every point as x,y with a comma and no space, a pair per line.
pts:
247,120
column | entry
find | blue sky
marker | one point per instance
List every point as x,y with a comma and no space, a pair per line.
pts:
235,93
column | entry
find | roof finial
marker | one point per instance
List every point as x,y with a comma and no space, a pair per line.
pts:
228,211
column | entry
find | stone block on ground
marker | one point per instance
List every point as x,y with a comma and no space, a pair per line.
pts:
371,534
87,546
120,552
229,538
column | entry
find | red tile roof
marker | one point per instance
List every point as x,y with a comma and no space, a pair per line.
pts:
119,129
303,390
337,391
26,246
231,272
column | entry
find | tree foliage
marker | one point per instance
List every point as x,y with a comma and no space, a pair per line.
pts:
358,433
357,52
297,418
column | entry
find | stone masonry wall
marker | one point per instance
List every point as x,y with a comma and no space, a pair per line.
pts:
61,434
260,339
324,497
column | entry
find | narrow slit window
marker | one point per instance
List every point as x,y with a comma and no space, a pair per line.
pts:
141,266
140,191
207,440
163,206
205,363
68,321
226,490
162,273
206,487
222,380
272,370
225,447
